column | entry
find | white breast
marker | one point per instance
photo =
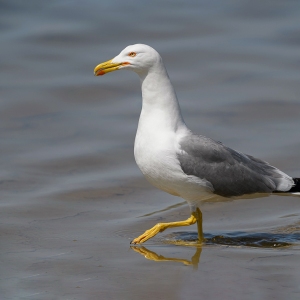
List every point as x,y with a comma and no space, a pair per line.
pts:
157,140
155,154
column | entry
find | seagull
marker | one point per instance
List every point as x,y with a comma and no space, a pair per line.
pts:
179,162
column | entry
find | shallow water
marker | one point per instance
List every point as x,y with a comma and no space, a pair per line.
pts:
72,197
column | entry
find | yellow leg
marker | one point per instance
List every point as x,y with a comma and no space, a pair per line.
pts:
199,225
160,227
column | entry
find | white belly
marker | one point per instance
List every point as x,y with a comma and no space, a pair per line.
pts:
157,159
158,165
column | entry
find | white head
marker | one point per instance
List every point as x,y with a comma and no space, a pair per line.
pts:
139,58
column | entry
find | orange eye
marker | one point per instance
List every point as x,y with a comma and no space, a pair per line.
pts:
132,54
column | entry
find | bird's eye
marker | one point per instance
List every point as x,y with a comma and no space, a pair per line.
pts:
132,54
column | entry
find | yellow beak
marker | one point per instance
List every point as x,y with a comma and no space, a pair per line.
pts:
107,67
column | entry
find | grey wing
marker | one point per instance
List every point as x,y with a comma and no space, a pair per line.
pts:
231,173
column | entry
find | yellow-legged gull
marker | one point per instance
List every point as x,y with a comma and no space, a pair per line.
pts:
179,162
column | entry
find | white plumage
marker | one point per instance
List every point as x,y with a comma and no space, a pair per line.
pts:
174,159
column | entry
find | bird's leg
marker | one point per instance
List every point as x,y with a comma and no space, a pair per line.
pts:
160,227
198,216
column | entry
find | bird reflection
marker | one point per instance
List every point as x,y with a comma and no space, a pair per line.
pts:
194,261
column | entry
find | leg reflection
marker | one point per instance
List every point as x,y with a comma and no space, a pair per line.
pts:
194,261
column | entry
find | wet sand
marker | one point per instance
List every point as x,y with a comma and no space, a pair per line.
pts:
72,197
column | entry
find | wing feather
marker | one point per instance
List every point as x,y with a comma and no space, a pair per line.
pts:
230,172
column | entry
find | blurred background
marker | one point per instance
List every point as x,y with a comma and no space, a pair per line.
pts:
67,165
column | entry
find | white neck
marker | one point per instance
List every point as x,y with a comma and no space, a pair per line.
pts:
160,127
159,100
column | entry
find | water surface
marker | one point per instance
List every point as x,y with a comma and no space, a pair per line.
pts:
72,197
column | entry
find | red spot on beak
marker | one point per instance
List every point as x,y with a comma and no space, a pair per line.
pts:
100,72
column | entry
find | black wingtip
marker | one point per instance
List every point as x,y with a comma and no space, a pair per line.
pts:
296,187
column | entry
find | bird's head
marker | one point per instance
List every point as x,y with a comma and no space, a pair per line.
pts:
138,58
